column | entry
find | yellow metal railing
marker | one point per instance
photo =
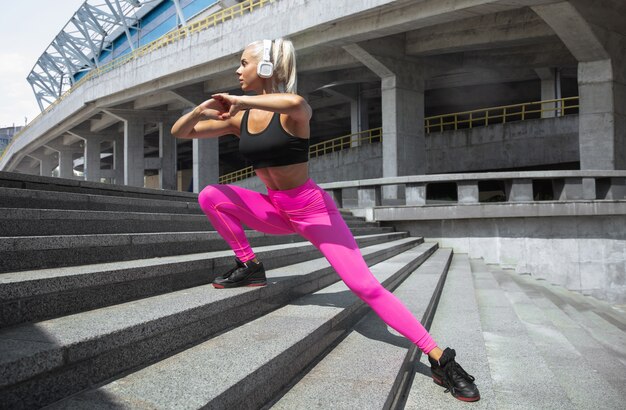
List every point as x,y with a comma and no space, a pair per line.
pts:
169,38
346,141
499,115
322,148
236,176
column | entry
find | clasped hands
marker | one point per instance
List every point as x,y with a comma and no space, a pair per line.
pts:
220,107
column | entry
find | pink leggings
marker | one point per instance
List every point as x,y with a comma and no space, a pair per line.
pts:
310,212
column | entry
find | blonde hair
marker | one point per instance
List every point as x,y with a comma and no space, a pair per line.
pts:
283,56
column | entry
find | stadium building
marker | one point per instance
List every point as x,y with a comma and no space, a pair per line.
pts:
495,129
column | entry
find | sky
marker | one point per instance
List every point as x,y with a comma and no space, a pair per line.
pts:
27,27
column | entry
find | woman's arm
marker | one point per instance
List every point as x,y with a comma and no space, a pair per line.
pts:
292,105
205,121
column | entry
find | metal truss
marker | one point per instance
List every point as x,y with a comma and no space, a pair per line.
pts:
77,48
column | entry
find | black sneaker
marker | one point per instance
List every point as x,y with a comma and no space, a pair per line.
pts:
243,274
449,374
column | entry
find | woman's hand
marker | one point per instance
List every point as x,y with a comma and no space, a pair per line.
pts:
232,104
211,110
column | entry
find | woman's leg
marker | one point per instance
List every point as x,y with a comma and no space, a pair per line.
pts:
315,216
228,206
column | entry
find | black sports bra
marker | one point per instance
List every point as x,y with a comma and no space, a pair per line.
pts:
273,146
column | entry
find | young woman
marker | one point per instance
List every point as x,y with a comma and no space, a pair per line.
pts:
273,130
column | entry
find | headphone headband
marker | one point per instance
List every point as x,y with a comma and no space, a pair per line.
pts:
267,50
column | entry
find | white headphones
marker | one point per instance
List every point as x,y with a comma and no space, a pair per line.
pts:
265,68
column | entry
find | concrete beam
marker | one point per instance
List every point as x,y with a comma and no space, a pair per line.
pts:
509,28
221,83
143,115
405,16
326,59
154,100
327,102
547,54
105,121
311,82
573,30
192,95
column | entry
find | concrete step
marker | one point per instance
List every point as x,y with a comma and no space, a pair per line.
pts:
569,360
244,367
519,373
37,294
41,199
588,304
571,367
456,324
32,182
50,360
39,252
37,222
38,199
601,323
366,370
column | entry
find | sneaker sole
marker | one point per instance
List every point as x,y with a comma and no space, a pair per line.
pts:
216,286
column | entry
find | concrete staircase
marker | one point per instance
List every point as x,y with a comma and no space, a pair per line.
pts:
107,303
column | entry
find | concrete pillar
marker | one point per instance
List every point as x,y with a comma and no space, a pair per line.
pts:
167,154
66,164
404,146
47,162
358,117
518,190
205,163
602,118
118,160
415,193
133,152
369,196
467,192
47,165
596,37
550,90
402,97
337,196
66,157
92,159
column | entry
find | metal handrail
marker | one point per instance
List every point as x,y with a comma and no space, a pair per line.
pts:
346,141
236,176
168,38
502,114
316,150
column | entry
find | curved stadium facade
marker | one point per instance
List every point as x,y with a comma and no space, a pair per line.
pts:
473,102
477,149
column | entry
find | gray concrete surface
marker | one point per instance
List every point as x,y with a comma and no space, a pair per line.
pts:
39,252
511,352
569,364
581,253
456,324
270,350
43,293
363,370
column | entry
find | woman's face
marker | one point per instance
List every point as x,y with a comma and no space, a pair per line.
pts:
248,78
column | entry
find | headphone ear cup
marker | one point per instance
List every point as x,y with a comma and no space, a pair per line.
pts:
265,69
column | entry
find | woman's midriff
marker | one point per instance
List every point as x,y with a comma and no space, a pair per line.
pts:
284,177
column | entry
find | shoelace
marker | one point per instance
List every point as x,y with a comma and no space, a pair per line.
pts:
230,272
449,372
